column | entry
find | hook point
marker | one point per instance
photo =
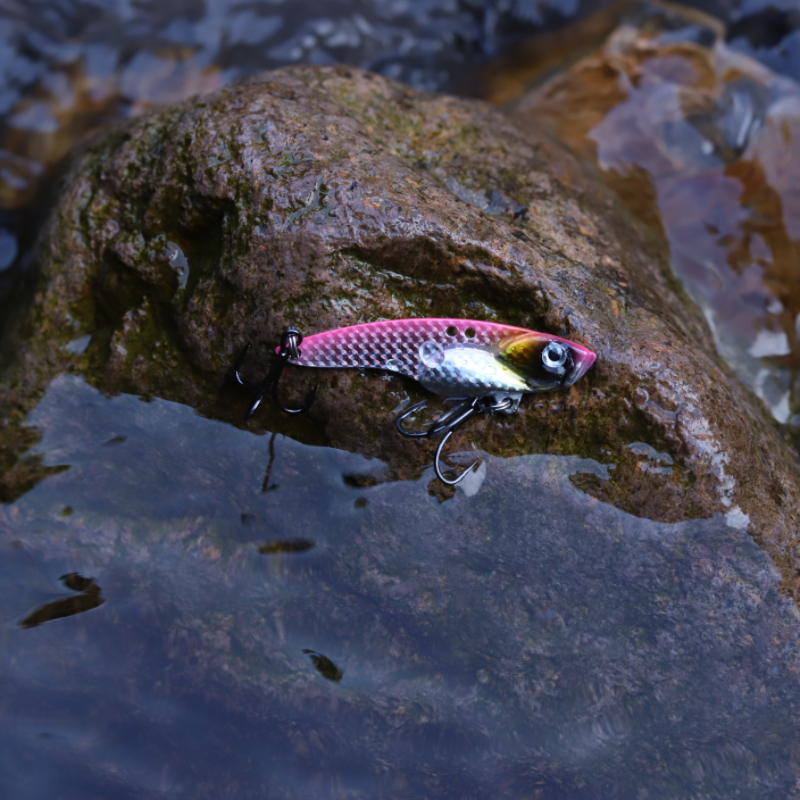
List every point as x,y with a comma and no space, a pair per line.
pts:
438,469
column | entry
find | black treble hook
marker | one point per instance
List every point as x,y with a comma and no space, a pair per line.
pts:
289,348
448,423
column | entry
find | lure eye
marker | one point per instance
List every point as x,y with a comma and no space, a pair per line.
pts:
554,356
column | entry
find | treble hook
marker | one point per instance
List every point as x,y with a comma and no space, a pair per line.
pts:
289,348
449,423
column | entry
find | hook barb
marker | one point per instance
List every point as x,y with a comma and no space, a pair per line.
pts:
450,422
447,423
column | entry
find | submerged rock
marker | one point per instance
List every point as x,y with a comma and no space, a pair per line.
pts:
327,196
527,641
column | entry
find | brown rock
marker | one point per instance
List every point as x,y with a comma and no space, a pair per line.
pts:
325,197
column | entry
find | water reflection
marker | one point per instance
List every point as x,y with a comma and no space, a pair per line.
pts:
703,144
68,67
527,640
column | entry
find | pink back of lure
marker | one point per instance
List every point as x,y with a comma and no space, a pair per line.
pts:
453,357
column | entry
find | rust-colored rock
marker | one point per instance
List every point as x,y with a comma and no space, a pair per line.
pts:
327,196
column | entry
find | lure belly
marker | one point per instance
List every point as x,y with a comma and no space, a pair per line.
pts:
486,365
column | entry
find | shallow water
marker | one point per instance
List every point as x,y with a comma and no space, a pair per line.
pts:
512,643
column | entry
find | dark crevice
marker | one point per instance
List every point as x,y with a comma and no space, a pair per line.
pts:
481,292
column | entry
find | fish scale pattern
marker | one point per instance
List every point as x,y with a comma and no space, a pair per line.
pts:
472,372
394,345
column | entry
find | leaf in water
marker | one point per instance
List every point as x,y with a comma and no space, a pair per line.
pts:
357,481
76,582
325,666
88,599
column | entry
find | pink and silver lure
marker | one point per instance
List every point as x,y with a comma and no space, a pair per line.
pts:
453,357
487,365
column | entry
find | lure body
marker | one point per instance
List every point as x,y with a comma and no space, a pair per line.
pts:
487,367
453,357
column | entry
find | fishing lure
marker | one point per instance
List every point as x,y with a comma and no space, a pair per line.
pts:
484,366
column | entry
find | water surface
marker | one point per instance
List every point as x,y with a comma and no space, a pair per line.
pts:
527,640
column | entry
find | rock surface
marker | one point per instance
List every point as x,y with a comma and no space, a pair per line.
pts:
327,196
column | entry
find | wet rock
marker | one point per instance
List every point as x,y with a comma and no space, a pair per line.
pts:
67,71
699,142
327,196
